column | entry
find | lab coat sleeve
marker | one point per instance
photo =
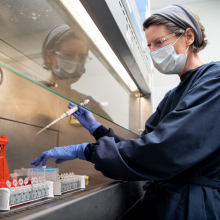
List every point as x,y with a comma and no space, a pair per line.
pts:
149,127
102,131
98,133
183,138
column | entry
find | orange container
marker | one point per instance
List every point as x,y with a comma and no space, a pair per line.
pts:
4,171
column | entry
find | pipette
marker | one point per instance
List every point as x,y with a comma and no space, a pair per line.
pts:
66,114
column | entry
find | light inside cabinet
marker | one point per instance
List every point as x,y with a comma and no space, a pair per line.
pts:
82,17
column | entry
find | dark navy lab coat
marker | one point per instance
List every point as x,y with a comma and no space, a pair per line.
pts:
179,150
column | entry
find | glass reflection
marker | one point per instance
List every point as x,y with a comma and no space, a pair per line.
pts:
65,55
37,42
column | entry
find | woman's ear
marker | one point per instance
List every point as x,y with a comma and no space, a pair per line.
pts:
190,36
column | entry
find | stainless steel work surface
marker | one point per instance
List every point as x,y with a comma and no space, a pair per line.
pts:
102,198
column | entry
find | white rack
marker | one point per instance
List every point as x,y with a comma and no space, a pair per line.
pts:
69,183
23,194
45,183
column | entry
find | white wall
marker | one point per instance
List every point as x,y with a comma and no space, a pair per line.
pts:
209,13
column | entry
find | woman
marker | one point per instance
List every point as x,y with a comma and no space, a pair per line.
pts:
179,149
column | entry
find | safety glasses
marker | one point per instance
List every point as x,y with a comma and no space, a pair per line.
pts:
158,44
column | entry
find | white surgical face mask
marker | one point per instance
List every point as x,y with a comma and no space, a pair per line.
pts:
167,61
69,69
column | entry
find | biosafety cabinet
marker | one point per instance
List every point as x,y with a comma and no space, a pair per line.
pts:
116,76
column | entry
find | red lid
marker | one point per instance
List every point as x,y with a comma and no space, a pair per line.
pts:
4,140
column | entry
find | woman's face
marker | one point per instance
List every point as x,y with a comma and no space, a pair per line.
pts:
68,48
159,31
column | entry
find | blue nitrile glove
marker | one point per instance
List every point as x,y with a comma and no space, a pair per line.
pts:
85,118
62,154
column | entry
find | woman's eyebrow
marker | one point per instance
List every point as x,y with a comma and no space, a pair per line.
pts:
155,40
158,38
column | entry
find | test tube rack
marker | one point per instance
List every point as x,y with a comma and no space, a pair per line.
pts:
62,183
17,195
40,183
68,182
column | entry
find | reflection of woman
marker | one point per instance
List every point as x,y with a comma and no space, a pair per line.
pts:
180,146
65,54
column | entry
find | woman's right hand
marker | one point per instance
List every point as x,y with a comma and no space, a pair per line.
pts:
62,154
85,118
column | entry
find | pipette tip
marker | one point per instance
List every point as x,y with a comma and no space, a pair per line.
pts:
40,131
